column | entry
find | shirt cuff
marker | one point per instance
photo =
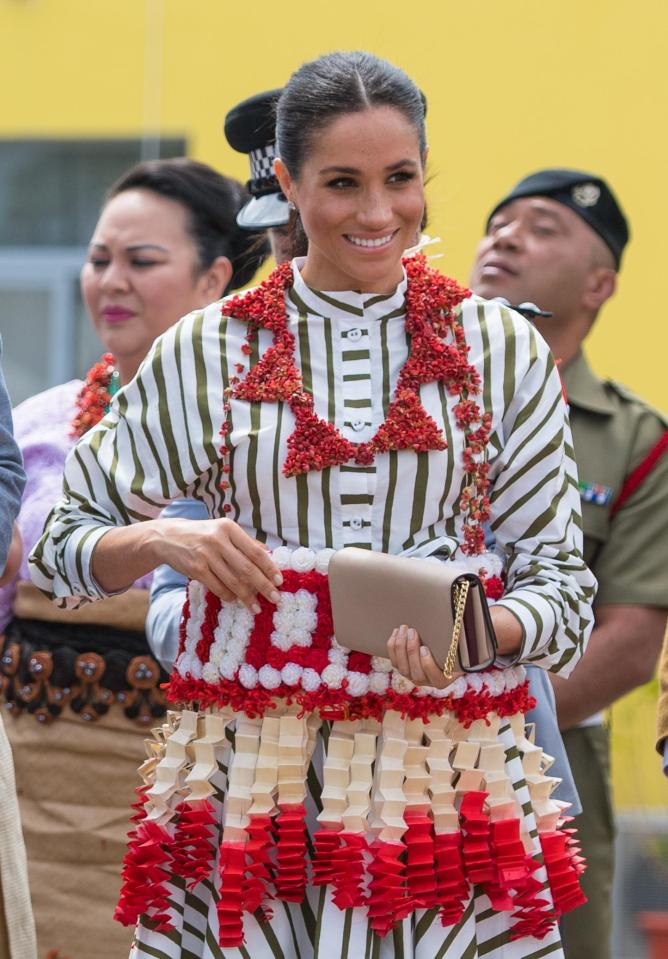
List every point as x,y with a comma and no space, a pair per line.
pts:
537,618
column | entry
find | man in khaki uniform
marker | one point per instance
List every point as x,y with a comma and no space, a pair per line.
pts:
557,239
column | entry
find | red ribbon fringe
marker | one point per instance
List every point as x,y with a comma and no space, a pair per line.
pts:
256,886
349,871
291,858
229,908
194,842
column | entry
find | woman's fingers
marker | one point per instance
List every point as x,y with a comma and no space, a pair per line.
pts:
413,660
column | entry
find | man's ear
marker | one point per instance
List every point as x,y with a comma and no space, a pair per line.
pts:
601,286
284,180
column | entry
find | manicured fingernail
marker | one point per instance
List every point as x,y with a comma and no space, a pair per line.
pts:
278,579
256,608
274,596
412,636
424,651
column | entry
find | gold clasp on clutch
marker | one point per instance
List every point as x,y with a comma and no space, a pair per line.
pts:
461,595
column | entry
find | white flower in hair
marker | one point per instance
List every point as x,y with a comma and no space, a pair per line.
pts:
269,677
302,560
333,675
248,676
378,682
310,680
291,674
358,683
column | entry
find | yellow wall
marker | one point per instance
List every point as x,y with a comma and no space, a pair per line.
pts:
512,86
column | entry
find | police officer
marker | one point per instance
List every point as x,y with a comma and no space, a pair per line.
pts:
557,240
250,128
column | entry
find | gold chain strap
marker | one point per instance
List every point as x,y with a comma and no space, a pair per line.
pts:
461,595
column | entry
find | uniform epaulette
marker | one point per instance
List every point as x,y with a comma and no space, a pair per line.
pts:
630,397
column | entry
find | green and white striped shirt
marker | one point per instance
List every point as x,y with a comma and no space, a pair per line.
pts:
161,441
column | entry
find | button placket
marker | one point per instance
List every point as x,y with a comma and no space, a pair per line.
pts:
356,482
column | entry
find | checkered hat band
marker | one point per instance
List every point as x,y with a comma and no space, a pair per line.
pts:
262,162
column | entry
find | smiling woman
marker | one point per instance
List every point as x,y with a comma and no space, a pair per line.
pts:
355,398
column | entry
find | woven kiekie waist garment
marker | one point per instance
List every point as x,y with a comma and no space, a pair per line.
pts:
424,792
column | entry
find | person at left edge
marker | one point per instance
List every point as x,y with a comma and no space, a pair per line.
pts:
17,927
83,688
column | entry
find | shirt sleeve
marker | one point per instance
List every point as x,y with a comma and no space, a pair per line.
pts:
151,448
168,594
12,476
536,517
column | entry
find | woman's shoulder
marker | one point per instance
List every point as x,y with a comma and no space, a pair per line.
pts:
50,411
501,324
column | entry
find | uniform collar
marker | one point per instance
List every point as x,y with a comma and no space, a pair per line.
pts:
584,389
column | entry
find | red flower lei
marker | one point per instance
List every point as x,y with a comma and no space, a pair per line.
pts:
315,444
95,395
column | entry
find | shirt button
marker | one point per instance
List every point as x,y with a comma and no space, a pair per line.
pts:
358,425
356,523
354,335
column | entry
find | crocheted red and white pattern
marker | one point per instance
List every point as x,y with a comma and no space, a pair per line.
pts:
288,651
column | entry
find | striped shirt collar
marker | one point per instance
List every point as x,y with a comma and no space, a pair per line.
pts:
344,303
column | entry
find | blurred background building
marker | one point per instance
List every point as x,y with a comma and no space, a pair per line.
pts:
90,87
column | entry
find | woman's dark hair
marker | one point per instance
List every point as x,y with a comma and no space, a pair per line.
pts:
334,85
212,202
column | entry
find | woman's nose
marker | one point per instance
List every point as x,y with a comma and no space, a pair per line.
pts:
114,277
375,212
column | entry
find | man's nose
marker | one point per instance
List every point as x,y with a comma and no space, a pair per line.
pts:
508,236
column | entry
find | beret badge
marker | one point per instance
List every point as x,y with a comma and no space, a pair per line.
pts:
586,194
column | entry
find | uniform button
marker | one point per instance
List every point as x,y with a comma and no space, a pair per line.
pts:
355,335
358,425
356,523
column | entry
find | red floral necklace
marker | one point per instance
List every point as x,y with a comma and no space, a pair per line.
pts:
94,397
315,444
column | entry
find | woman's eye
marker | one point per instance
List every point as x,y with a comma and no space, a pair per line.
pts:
144,263
98,262
341,182
403,176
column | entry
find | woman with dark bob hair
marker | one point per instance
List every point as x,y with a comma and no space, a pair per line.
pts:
82,686
310,799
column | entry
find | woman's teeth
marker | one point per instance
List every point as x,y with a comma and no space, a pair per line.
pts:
358,241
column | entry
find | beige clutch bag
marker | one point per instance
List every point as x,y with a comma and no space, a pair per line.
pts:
373,593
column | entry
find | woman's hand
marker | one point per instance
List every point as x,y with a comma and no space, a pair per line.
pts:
224,558
216,552
414,661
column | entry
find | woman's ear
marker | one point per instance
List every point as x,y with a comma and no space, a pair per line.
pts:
284,179
213,281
